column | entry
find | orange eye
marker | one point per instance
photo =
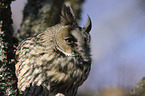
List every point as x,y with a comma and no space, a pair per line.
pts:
67,40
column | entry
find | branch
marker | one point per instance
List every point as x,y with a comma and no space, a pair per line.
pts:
139,89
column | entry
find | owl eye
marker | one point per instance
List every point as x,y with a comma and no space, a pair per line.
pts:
69,40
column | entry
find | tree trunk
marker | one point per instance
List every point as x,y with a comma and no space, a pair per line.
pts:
8,80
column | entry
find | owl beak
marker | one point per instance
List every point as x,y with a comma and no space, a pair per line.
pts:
88,26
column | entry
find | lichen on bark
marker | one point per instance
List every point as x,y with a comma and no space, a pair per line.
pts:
8,80
39,15
139,89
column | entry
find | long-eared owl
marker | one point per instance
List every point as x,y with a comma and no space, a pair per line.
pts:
58,58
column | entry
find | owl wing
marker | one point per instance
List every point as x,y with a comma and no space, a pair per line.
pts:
25,68
39,91
36,91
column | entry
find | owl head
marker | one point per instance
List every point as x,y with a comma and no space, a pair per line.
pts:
71,39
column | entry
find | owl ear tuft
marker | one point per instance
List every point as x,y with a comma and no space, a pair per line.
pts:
67,16
88,26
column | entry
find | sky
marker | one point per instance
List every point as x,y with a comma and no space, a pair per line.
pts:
118,37
117,41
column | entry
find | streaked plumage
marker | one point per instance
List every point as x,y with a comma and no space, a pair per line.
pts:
58,58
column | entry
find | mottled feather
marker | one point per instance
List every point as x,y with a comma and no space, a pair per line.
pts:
57,60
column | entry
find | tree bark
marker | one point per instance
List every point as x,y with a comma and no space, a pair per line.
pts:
139,89
8,80
39,15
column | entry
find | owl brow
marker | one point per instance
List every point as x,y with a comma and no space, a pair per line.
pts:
74,39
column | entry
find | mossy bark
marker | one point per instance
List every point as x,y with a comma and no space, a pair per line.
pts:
8,80
39,15
139,89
